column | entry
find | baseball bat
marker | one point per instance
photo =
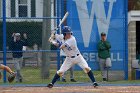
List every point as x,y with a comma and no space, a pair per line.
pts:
62,21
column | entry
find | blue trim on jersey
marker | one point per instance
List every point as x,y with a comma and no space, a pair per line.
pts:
67,46
59,42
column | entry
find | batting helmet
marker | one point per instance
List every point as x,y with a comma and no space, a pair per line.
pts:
66,29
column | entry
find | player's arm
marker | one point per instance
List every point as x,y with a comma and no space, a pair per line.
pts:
68,44
52,37
65,45
55,40
25,40
62,46
101,47
107,45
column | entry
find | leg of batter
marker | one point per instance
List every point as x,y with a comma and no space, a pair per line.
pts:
83,64
64,77
71,70
71,73
65,66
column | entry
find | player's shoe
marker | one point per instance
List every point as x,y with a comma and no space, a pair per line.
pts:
104,79
73,80
95,85
20,80
50,85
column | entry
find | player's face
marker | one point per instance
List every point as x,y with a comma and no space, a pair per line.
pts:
103,37
68,35
17,38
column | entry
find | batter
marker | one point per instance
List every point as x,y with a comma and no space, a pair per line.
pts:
67,42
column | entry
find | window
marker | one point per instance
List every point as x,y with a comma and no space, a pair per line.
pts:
13,8
23,11
33,9
22,2
22,8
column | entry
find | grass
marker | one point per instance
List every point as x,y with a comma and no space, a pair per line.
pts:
32,75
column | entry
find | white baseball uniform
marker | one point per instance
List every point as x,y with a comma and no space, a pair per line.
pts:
73,55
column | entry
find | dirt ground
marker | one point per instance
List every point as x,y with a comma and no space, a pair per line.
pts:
72,89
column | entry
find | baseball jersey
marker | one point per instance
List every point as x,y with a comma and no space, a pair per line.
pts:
71,48
62,53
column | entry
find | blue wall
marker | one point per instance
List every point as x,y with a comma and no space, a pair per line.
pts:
88,18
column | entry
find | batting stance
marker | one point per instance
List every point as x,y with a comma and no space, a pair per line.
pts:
67,42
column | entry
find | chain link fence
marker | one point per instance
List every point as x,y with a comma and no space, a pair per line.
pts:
27,17
40,60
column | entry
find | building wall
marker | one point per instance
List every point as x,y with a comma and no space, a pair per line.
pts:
132,40
38,10
8,7
131,45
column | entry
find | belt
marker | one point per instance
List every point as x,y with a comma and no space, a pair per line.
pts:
73,56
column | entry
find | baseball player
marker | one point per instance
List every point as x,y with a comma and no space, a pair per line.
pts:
17,45
67,42
12,75
104,55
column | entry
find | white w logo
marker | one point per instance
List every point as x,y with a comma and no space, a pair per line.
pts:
86,20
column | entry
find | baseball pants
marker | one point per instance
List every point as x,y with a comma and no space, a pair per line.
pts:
69,62
104,63
71,70
18,66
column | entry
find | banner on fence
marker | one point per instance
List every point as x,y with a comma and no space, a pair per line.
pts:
88,18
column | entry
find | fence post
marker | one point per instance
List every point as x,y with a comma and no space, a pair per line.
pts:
46,31
126,40
58,60
4,38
